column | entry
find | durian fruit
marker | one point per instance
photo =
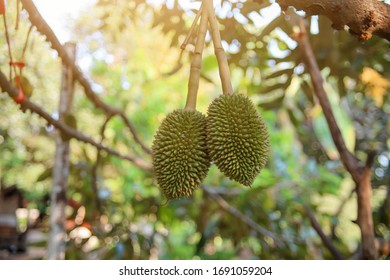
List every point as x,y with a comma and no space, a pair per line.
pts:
179,150
237,137
179,153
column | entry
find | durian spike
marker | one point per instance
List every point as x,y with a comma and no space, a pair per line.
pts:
223,64
196,64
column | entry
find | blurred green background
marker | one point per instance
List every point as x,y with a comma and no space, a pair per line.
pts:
131,52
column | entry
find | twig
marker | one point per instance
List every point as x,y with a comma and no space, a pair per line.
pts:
6,86
223,65
96,166
175,68
327,242
183,46
349,161
196,64
236,213
42,27
9,46
26,42
191,31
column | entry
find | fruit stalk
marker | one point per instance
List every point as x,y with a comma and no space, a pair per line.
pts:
196,64
189,35
223,64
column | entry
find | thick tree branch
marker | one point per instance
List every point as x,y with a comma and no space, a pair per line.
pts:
349,161
236,213
37,20
364,219
363,17
12,91
360,174
325,239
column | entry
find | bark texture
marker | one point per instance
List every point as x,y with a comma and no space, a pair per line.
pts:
363,17
360,173
57,236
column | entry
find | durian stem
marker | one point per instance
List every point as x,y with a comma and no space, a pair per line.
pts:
189,35
196,64
223,64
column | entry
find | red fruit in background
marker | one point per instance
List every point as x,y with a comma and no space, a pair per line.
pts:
2,7
20,97
23,83
19,64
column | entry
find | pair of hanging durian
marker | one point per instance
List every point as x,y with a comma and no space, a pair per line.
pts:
233,135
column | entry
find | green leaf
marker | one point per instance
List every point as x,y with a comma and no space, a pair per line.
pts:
288,71
45,175
272,104
283,86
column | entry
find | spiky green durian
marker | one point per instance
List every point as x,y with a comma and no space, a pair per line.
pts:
179,153
237,137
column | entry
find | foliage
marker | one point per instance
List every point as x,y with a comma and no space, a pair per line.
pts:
133,49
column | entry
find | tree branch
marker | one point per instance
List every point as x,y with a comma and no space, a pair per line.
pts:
38,21
349,161
364,218
327,242
364,18
236,213
96,167
6,86
360,174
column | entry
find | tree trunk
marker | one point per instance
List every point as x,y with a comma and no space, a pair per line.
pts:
56,246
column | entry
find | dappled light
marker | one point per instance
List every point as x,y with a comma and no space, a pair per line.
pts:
195,130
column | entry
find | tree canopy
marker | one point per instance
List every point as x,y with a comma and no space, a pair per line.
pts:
322,92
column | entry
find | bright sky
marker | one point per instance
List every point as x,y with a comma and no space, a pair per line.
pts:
58,13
